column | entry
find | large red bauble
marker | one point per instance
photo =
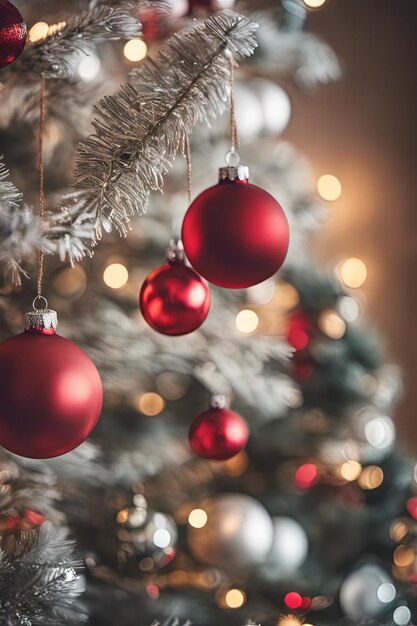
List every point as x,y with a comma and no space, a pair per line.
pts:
50,395
235,234
218,434
13,33
174,299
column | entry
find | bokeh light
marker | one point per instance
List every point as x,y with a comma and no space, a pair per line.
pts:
306,476
314,4
288,620
115,276
247,321
197,518
70,283
353,273
351,470
162,538
38,31
348,307
386,593
372,477
235,598
380,432
89,67
293,600
288,297
412,507
135,50
331,324
402,615
329,187
404,556
399,530
150,404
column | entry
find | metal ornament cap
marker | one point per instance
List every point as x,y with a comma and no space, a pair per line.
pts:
41,319
232,173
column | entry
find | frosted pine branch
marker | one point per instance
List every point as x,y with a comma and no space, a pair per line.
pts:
38,579
57,55
139,131
20,238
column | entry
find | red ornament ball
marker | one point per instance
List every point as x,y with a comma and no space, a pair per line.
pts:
235,234
50,395
174,299
218,434
13,33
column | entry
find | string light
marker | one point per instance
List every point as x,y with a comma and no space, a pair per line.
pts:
38,31
351,470
135,50
288,296
404,556
197,518
247,321
150,404
328,186
115,276
353,273
402,615
331,324
372,477
235,598
314,4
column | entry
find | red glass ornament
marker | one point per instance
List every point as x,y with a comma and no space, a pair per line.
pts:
218,434
13,33
50,394
174,299
235,234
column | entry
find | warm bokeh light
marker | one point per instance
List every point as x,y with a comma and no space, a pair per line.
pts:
399,530
314,4
150,404
351,470
287,296
172,385
235,598
147,564
70,282
306,476
404,556
329,187
197,518
38,31
135,50
353,273
331,324
247,321
372,477
115,276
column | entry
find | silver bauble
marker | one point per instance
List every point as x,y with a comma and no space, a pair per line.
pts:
289,548
239,531
366,591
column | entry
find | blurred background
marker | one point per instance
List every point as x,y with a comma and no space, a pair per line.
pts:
362,130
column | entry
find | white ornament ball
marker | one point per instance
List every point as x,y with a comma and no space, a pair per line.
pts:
289,547
249,113
364,593
239,531
262,108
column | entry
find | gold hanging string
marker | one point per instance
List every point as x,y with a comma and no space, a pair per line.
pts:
233,123
189,169
42,120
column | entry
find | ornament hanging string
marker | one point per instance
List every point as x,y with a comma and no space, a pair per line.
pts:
189,168
233,122
42,120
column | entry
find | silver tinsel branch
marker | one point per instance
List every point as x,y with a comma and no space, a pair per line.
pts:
39,584
139,131
57,55
19,233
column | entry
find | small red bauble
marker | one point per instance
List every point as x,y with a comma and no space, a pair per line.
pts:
13,33
174,299
235,234
218,434
50,391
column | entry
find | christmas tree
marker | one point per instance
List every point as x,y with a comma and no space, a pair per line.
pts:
313,520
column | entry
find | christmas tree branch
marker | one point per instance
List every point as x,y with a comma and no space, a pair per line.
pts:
38,579
139,130
58,54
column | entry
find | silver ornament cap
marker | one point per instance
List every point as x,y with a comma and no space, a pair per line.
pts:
41,318
233,170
